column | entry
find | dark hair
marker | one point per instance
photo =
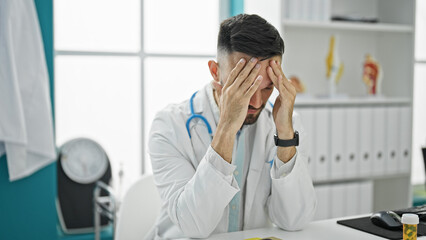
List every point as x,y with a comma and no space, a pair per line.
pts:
250,34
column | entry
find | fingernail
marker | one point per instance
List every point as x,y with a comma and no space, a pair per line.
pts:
257,65
253,59
259,78
242,60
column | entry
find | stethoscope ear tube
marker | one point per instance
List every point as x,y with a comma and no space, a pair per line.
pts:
193,116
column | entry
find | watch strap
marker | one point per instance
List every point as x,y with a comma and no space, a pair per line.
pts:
287,142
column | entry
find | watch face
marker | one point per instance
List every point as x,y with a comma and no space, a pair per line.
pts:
83,160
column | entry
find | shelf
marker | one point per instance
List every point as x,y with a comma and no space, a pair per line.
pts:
350,26
361,179
305,102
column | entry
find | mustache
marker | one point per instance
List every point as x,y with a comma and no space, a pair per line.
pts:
253,108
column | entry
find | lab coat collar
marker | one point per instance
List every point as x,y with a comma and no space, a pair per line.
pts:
199,104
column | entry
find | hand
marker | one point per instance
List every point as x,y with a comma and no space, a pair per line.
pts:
284,104
233,100
235,94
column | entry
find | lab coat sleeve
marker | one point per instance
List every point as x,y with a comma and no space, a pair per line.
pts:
196,197
292,202
281,169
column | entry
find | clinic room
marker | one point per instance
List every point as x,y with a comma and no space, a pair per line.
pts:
212,119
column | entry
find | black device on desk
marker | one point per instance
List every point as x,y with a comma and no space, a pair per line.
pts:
366,224
392,219
387,219
419,210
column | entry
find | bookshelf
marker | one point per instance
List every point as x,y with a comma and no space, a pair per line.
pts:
373,121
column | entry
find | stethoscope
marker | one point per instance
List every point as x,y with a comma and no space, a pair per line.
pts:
194,116
202,118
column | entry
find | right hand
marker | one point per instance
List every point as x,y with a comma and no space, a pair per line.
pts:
235,94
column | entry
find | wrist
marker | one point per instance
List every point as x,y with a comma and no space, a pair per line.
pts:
286,154
285,133
227,128
223,142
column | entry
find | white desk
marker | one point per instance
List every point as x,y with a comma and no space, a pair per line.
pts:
318,230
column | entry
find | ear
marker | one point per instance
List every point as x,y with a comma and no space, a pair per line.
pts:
214,71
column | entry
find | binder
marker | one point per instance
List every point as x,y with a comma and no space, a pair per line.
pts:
366,141
379,134
321,152
337,143
307,117
352,142
365,197
405,139
338,200
352,195
323,198
392,137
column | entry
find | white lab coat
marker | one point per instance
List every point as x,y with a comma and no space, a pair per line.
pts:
196,195
26,129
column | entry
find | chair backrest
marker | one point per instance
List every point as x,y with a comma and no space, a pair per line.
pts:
139,209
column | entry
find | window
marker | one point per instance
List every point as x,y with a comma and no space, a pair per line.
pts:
419,97
117,63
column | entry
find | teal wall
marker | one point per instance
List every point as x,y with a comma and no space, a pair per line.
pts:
27,206
237,7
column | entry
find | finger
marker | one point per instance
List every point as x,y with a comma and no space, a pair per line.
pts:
254,86
273,77
275,67
251,78
281,69
246,71
289,86
235,72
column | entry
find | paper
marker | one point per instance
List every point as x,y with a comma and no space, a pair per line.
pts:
266,238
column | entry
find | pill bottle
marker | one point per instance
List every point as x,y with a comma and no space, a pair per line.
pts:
409,222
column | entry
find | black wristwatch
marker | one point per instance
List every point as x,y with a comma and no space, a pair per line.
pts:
287,142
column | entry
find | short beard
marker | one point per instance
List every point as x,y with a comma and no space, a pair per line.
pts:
251,118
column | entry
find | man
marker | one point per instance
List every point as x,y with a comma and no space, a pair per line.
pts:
236,178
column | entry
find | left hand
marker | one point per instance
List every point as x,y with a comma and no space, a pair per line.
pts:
284,104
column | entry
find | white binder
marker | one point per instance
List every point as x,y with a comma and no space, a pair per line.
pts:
338,200
352,155
366,141
307,116
323,207
405,140
352,202
392,139
379,140
337,143
366,197
321,151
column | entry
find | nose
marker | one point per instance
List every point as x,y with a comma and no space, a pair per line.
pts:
256,99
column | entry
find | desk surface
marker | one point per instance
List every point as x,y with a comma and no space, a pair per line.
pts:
318,230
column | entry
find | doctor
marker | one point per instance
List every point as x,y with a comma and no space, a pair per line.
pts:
251,170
